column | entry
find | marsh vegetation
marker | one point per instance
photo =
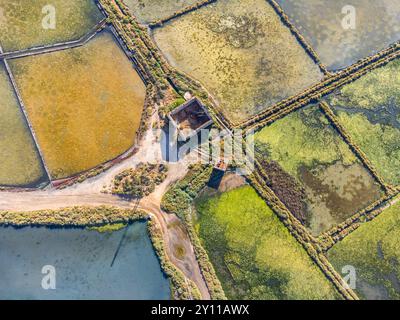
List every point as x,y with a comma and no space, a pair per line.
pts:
313,170
241,52
369,109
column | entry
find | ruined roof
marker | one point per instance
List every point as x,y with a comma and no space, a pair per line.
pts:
190,118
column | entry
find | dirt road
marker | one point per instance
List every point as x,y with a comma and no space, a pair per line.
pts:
89,193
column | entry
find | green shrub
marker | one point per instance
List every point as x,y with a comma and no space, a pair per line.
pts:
139,182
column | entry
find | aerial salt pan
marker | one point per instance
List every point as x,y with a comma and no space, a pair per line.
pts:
21,22
20,164
376,26
85,104
241,52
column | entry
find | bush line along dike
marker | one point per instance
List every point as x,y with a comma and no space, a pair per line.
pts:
160,73
327,111
300,38
323,88
309,243
175,15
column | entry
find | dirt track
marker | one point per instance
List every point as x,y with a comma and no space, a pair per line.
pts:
89,193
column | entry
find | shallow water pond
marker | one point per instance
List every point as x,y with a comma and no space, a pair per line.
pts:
82,260
320,21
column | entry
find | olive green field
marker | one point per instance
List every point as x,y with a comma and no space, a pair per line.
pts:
152,10
369,110
337,43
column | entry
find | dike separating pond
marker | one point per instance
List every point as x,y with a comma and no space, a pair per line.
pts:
55,47
321,89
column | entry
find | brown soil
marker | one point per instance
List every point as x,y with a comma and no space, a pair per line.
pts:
287,189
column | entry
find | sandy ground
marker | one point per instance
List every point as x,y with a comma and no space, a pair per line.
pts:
179,247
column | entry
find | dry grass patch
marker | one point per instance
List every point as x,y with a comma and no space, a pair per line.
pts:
369,109
85,104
